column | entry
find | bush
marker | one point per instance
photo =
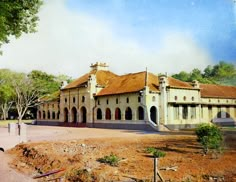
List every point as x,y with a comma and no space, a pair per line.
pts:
210,137
79,175
155,152
111,160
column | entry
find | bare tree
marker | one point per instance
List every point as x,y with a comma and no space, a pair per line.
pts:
26,94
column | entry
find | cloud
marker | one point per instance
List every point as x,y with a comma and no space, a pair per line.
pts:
67,42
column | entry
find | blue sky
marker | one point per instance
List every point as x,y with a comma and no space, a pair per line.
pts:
211,23
130,35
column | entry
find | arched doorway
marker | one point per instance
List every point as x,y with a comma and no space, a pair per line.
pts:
39,114
66,117
74,114
83,112
49,116
44,115
108,114
128,113
117,114
153,114
53,115
99,114
140,113
58,115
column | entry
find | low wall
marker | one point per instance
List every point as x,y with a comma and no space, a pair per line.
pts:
180,126
49,123
126,126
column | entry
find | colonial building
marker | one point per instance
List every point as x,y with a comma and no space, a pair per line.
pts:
140,100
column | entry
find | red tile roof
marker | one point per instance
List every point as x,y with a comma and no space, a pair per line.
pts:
102,77
178,83
218,91
132,82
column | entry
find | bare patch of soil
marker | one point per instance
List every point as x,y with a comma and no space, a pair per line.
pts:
79,158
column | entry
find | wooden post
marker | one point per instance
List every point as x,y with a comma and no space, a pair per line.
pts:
155,169
156,172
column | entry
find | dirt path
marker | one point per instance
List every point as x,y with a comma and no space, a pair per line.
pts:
45,133
8,174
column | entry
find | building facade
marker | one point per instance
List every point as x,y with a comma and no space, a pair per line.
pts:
140,100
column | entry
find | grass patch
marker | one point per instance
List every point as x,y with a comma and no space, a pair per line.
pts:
155,152
5,123
111,159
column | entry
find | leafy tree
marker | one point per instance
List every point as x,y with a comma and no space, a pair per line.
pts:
17,17
6,92
210,137
208,72
184,76
24,91
222,73
46,82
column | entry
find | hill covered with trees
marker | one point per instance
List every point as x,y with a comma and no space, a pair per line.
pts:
221,73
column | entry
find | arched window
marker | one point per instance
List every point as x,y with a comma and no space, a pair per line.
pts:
176,98
117,100
128,113
139,99
153,99
140,113
108,114
127,100
83,98
99,114
117,114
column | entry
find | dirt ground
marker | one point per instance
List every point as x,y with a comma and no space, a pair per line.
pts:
78,157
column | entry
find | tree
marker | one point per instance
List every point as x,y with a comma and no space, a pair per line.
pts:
210,137
46,82
6,92
222,73
26,92
184,76
17,17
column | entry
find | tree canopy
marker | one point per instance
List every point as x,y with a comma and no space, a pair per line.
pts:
17,17
22,92
221,73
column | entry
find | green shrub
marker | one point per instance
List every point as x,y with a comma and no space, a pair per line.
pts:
79,175
155,152
111,160
210,137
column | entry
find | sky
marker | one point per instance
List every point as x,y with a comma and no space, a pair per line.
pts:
164,36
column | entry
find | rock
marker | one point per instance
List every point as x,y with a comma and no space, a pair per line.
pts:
83,145
22,164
